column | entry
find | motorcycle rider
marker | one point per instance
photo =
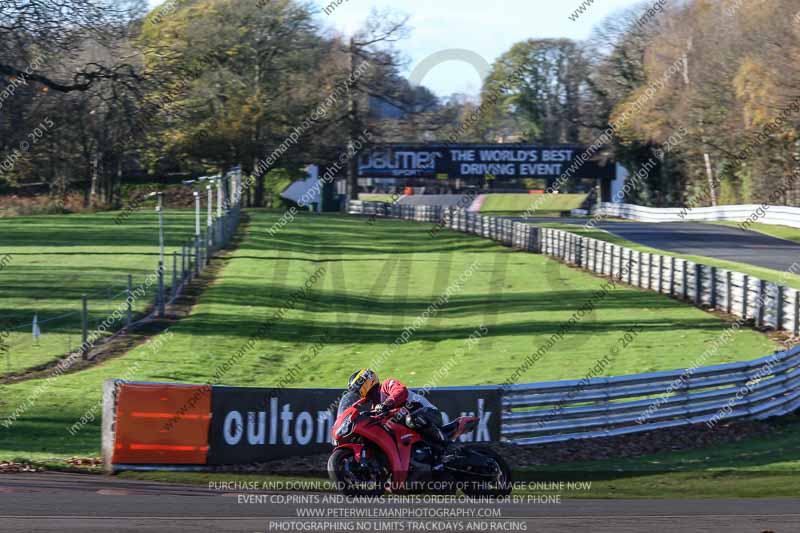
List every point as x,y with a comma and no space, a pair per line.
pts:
420,414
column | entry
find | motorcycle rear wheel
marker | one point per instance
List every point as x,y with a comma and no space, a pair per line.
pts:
349,481
500,486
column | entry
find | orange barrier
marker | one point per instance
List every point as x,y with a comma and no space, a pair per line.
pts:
149,430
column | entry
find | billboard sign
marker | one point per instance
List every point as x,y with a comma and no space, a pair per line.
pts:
500,161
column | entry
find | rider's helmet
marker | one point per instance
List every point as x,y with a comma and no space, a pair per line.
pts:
363,381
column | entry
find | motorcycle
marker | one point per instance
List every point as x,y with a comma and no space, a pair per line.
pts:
375,452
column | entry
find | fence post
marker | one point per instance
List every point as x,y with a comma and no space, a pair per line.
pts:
650,271
579,244
796,329
161,289
779,305
197,256
183,262
713,283
672,276
129,299
85,325
762,295
685,279
640,268
728,291
611,265
603,259
630,266
745,293
698,284
174,273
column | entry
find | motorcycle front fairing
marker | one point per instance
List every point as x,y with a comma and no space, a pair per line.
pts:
394,439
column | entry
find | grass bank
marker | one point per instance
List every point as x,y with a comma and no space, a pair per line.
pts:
53,260
545,204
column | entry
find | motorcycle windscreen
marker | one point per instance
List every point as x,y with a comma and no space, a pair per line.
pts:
346,402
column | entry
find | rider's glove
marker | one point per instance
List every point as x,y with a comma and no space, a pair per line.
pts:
382,408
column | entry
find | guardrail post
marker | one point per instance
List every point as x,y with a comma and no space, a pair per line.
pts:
613,255
579,245
728,291
672,276
779,306
796,328
650,271
713,282
698,284
685,279
762,296
630,266
745,294
603,259
661,273
160,289
197,256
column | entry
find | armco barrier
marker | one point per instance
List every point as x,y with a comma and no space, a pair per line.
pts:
601,407
146,424
774,214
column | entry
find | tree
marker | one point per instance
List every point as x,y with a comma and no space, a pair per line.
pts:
542,87
37,34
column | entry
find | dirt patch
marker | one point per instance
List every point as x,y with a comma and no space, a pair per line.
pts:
128,338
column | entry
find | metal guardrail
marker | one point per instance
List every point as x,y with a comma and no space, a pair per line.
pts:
773,214
556,411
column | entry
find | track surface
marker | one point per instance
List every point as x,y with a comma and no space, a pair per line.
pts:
71,503
710,240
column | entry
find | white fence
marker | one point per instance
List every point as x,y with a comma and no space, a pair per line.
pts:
776,215
741,295
537,413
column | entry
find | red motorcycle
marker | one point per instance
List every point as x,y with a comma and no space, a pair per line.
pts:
376,452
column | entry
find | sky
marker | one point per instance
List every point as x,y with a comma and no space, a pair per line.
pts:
481,31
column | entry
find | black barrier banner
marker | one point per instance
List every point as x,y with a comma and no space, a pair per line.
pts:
253,425
493,161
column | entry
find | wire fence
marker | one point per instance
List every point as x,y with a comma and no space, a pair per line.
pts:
121,305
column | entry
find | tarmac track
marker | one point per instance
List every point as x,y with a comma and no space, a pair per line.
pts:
709,240
73,502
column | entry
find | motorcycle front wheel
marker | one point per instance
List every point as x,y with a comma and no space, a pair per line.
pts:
350,478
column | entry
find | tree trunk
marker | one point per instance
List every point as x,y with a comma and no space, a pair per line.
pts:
258,199
91,199
354,130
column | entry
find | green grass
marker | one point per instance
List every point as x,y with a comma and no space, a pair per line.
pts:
386,198
755,467
782,232
545,204
55,259
786,278
378,279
